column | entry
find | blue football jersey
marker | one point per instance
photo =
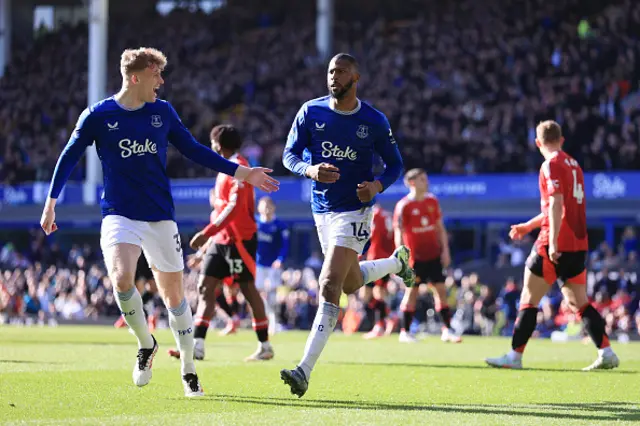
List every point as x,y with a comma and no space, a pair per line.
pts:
349,140
132,146
273,242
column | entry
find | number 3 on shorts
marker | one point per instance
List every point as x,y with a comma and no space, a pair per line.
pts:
178,243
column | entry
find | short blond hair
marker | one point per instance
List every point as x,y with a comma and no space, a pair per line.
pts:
549,132
412,174
134,60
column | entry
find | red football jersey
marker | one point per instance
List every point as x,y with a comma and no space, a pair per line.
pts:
381,234
561,174
418,219
235,206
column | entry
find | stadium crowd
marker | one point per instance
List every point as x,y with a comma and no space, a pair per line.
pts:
44,285
463,83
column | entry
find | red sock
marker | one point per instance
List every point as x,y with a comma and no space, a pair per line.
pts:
261,327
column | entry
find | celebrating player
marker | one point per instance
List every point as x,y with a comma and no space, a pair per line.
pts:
232,254
332,141
559,253
132,130
381,246
418,224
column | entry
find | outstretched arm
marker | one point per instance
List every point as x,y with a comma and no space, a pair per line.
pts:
184,141
80,139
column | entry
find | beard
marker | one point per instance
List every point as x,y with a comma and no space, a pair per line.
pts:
339,94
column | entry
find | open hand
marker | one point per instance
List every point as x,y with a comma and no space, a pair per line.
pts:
198,240
519,231
193,260
259,178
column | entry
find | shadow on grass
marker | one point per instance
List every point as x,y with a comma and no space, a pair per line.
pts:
611,411
23,361
69,342
473,367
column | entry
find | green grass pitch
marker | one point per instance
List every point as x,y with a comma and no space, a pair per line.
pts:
82,375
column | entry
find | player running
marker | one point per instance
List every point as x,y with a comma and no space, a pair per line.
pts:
381,246
333,141
233,251
559,253
195,261
132,131
418,224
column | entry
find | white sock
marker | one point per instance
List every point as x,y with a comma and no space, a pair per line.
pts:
323,325
515,356
373,270
130,304
605,351
181,323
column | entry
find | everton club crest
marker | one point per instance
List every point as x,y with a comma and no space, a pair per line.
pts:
363,131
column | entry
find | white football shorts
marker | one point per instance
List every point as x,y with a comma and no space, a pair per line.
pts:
160,241
268,274
344,229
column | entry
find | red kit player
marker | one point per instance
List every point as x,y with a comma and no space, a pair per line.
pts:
381,247
559,253
232,252
418,224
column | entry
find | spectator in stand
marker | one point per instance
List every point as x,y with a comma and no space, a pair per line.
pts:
462,85
486,309
509,300
629,246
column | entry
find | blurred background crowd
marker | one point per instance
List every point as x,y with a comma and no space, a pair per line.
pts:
44,285
463,83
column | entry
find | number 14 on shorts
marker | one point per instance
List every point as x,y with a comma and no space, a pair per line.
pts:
359,230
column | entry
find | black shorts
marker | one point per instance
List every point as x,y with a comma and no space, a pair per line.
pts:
429,272
143,271
224,260
571,266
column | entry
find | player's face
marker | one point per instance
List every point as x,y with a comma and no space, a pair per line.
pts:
341,78
215,145
420,183
266,207
150,81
